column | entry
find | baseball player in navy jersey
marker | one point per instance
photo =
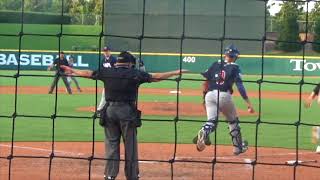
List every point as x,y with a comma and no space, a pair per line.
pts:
57,63
108,61
220,78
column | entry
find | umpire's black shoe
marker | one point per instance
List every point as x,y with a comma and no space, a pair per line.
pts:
110,178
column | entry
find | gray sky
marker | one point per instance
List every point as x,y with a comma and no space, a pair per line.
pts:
276,8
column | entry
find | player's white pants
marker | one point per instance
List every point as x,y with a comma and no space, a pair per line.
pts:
228,109
102,101
226,105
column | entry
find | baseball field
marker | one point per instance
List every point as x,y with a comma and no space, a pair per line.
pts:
73,136
57,136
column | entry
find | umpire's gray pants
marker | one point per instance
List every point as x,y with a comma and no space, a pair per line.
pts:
121,122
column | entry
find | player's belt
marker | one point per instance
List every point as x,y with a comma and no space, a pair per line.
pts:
227,91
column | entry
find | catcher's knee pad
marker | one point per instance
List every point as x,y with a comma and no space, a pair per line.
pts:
235,133
210,125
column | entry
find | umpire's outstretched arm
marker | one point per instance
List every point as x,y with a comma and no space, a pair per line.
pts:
156,77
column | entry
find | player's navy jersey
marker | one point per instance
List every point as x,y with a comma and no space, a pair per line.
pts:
109,61
58,62
222,76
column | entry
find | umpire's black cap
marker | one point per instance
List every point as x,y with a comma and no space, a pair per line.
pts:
126,57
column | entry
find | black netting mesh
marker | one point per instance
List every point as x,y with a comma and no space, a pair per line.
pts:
185,26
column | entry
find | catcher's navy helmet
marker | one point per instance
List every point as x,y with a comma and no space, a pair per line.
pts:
231,51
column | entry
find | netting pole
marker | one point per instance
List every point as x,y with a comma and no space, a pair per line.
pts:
298,123
141,38
259,82
142,31
95,115
214,160
53,117
16,76
178,80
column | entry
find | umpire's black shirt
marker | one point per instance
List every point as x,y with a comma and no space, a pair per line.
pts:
58,62
121,83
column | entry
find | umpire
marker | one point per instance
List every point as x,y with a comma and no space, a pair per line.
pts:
120,115
58,62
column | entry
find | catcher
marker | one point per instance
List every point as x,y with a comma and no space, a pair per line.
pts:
220,78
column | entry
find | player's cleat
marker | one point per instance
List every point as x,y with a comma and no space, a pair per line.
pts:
201,140
243,149
207,140
79,90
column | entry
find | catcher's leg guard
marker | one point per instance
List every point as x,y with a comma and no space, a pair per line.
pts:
202,138
235,132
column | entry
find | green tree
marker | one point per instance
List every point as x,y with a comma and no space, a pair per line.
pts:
289,28
315,16
98,7
35,5
85,11
13,5
315,12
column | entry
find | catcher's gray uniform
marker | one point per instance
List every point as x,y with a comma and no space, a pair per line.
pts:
220,78
228,109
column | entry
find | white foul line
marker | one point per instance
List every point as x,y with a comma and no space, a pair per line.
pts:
42,149
63,152
246,159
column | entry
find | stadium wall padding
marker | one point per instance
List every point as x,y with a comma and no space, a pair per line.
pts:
160,62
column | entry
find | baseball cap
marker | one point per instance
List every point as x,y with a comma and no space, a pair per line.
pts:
126,57
106,48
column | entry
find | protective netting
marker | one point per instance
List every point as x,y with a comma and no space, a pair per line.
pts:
137,26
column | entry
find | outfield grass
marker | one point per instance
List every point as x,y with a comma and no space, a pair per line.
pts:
68,129
46,42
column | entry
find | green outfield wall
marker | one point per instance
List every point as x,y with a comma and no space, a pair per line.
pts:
159,62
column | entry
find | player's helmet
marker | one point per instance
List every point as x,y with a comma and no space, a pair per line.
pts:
106,48
231,51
